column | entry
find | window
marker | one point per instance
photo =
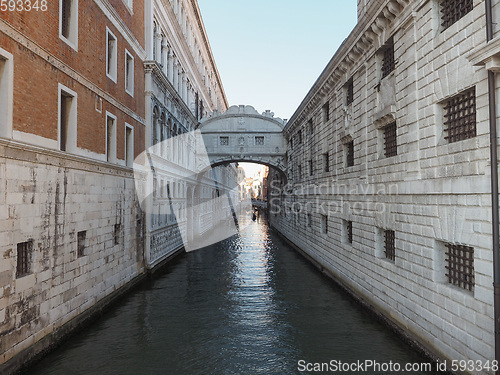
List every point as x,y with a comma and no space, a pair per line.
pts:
388,63
310,126
68,22
349,92
67,119
326,162
389,244
129,73
326,112
460,266
24,252
309,220
81,236
259,141
460,116
390,141
110,138
311,167
299,172
117,233
299,137
224,141
348,230
6,93
324,224
129,145
349,149
111,55
453,10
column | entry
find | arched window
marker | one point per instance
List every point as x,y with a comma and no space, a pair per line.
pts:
163,135
155,125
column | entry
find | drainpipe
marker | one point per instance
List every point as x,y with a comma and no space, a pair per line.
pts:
494,185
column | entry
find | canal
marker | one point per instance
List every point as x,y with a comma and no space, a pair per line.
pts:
248,305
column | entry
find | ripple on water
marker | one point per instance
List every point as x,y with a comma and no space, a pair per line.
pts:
248,305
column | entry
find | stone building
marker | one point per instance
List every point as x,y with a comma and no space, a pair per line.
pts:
182,86
389,180
87,89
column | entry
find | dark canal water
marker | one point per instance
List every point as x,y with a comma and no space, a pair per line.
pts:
248,305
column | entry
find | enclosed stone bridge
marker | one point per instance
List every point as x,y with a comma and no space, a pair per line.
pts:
241,134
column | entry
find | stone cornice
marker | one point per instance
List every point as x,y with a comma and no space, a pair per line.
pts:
10,149
487,54
370,30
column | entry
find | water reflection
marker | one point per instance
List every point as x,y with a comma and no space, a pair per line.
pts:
249,305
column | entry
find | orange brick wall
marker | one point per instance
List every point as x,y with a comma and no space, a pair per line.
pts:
36,80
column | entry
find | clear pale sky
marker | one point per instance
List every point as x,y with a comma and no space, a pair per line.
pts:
269,53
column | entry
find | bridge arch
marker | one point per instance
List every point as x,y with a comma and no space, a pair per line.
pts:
241,134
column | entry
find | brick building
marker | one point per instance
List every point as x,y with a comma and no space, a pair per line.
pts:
76,117
389,180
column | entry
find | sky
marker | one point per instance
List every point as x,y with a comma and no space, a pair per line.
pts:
269,53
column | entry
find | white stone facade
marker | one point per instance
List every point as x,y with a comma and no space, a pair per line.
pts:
182,86
48,199
431,193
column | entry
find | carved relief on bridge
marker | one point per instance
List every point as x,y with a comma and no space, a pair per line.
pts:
242,134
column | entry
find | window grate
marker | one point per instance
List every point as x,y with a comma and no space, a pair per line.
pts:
453,10
460,266
224,141
349,92
81,243
349,231
259,141
460,116
390,141
389,245
350,154
388,63
24,250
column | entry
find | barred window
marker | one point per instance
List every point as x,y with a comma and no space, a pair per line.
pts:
460,266
389,244
388,63
348,225
350,154
349,91
259,141
81,236
24,250
117,233
224,141
324,224
460,116
453,10
326,162
390,140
